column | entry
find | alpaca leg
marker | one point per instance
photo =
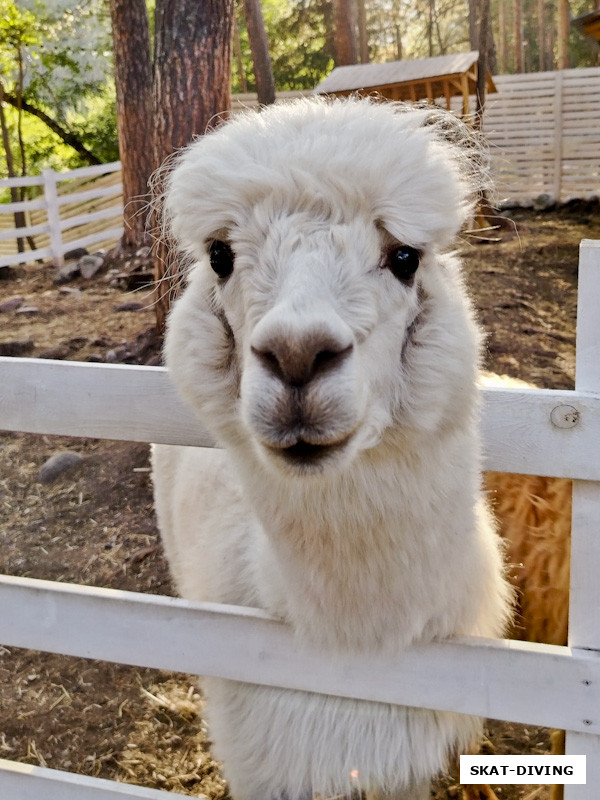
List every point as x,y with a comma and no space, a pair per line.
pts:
415,792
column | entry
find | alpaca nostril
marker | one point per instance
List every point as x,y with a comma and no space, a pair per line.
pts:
326,360
299,362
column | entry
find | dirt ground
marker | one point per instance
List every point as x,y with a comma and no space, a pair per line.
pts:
94,523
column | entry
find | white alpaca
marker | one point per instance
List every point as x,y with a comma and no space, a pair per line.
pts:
329,346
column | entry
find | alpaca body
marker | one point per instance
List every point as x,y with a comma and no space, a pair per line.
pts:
296,741
331,350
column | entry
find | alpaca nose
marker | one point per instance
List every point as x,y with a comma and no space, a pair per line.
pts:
297,360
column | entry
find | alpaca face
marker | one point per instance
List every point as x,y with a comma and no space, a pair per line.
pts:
317,280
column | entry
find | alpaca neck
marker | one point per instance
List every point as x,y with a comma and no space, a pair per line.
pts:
350,553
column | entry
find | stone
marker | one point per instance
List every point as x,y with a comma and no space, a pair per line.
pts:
57,464
55,353
11,304
89,265
543,202
67,272
27,310
16,348
75,254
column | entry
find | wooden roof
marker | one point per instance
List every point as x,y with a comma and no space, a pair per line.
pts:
417,79
589,24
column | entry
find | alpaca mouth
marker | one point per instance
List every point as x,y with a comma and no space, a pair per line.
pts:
304,453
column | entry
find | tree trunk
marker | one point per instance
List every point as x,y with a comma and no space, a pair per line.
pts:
192,72
482,63
363,36
10,169
237,49
473,19
346,51
564,60
133,79
259,47
502,38
518,29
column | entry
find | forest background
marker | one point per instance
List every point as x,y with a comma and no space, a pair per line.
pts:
57,82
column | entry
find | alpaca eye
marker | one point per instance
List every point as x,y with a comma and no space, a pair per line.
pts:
221,258
403,262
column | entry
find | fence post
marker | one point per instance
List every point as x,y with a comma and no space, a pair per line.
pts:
558,134
584,610
53,214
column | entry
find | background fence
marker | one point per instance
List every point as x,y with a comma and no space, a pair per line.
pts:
78,208
544,132
517,681
543,128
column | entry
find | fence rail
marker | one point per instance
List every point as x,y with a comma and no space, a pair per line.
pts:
517,681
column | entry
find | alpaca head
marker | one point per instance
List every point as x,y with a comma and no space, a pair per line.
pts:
320,314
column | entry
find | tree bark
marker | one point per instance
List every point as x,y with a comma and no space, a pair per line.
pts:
133,80
482,63
259,47
237,49
346,51
10,169
564,60
473,19
502,38
518,30
192,73
363,35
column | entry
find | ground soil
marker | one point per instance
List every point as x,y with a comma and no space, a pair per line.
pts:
94,523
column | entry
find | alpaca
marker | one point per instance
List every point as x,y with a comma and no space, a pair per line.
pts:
326,340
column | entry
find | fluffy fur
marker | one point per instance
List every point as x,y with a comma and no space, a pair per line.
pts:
534,518
347,498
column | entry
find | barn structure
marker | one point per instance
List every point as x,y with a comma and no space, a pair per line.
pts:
432,79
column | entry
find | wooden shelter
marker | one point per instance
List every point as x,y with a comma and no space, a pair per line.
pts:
589,24
440,77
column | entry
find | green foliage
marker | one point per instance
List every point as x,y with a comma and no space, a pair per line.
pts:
299,44
57,55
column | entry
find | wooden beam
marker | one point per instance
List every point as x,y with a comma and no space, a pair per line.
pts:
498,679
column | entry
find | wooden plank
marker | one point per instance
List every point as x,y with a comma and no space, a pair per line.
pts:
91,194
26,782
28,230
93,216
116,401
107,401
22,205
584,601
516,681
112,234
584,619
53,216
589,746
26,257
26,180
88,172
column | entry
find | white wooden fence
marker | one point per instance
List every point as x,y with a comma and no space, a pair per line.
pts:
526,431
544,132
78,208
